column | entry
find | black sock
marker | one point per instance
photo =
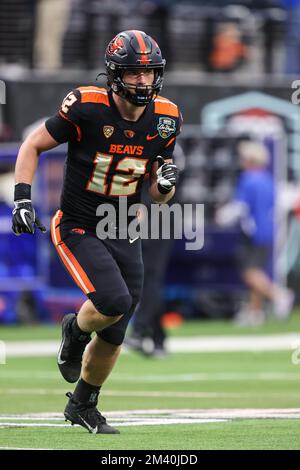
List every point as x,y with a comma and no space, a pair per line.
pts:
85,392
77,333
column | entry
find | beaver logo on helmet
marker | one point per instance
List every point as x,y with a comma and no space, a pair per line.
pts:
115,45
134,50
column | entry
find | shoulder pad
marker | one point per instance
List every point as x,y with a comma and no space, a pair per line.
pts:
93,94
164,106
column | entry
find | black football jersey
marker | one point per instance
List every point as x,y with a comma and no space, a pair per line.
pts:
108,156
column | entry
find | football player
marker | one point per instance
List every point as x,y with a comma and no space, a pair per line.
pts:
116,136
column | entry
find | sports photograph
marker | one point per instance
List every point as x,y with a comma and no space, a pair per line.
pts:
149,230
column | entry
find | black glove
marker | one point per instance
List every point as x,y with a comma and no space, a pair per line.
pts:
167,175
24,216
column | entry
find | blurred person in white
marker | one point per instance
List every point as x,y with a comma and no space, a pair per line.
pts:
254,206
52,16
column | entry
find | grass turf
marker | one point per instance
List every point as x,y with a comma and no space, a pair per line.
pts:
180,381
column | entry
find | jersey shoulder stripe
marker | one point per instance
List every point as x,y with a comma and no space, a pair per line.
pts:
92,94
164,106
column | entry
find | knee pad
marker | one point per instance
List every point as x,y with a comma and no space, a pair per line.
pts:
115,333
112,307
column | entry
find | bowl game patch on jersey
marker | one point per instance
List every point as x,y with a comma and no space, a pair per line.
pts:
166,127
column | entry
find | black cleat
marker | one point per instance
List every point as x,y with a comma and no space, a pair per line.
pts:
71,351
87,416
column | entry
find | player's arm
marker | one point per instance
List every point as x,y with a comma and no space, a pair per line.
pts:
164,173
38,141
62,127
163,179
24,215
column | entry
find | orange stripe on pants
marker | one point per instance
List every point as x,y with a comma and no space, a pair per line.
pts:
67,257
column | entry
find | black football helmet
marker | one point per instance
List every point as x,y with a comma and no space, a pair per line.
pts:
134,50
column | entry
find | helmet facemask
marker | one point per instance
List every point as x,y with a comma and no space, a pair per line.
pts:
142,95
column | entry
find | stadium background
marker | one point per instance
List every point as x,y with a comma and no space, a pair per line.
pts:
48,47
228,91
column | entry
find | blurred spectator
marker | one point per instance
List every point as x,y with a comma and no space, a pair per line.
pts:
228,48
273,25
292,39
147,333
50,25
254,206
26,308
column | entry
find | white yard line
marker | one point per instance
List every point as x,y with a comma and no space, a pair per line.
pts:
141,422
167,378
24,448
171,412
156,417
271,342
121,393
149,394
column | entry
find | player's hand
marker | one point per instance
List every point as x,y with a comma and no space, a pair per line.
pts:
25,218
167,175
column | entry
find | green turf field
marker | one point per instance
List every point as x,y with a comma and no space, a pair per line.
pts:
224,400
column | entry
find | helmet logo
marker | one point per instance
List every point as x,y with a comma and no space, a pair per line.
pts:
166,126
115,45
129,134
108,131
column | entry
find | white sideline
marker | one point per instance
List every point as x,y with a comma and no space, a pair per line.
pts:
155,417
150,394
25,448
270,342
265,376
168,413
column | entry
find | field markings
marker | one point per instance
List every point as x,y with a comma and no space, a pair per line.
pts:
166,378
140,422
150,394
193,344
24,448
154,417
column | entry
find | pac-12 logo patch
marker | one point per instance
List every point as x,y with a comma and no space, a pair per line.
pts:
166,126
108,131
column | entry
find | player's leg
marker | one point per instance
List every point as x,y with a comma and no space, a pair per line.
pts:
129,258
98,361
89,319
76,334
95,272
110,299
103,351
101,354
